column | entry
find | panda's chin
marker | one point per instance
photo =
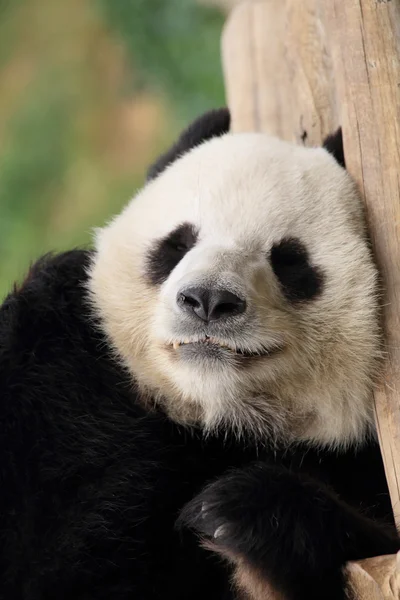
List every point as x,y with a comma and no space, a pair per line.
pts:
205,351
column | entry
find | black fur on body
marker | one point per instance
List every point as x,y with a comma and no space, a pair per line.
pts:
91,485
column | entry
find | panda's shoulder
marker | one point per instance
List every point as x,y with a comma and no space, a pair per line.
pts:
46,323
64,272
51,296
54,357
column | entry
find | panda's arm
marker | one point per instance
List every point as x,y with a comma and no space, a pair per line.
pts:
285,530
45,363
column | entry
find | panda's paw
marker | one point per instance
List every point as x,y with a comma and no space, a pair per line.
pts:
280,530
264,512
285,529
228,512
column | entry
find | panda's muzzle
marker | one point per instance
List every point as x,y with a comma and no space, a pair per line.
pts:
213,313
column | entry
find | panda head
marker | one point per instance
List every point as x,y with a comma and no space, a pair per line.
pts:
239,290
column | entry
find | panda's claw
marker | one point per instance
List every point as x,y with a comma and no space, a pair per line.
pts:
219,532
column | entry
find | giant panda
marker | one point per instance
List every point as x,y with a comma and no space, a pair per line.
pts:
201,379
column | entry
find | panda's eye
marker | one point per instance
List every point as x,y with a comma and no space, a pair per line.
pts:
166,253
178,246
298,278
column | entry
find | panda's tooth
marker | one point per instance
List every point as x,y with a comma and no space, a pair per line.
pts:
175,345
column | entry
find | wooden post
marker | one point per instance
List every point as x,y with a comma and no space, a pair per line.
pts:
278,71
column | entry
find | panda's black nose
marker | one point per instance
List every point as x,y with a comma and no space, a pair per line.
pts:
210,304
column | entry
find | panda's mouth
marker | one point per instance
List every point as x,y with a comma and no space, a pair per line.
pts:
212,345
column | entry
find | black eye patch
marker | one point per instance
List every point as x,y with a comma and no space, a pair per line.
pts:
169,251
299,280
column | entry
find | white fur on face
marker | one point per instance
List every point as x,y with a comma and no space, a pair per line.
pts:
244,193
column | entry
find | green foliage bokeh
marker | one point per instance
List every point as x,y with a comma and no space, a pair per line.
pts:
175,44
57,181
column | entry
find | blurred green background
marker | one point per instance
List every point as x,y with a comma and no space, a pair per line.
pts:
91,92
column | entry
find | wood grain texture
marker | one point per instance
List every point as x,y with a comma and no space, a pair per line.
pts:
278,71
365,44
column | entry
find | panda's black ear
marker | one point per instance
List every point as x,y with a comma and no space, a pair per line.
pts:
212,124
334,144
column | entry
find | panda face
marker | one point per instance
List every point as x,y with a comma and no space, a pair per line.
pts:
239,290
